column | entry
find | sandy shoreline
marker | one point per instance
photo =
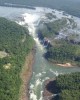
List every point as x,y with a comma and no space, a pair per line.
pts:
26,75
65,65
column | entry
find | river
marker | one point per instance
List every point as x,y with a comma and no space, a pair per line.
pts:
70,6
42,69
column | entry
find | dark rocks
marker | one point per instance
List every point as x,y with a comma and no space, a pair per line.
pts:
50,90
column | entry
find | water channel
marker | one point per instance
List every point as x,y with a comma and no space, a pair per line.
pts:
42,69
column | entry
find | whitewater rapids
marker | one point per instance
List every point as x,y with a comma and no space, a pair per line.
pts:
42,69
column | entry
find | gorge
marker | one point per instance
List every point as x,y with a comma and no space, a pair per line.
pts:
42,69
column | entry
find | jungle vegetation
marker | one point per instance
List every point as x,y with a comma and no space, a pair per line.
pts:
16,42
69,86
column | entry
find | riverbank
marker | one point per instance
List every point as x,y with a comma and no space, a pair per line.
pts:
65,65
25,75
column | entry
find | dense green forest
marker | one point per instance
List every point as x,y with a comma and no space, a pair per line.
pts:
68,86
63,53
15,44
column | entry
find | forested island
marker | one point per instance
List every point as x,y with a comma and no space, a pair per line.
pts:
15,45
62,44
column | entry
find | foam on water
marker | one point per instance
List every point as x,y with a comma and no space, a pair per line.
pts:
44,72
31,20
38,82
34,88
33,96
39,75
54,72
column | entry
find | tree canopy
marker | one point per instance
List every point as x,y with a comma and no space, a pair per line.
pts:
16,42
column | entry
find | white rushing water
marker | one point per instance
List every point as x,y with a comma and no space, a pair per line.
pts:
42,69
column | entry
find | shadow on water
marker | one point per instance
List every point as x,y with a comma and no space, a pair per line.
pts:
52,88
55,98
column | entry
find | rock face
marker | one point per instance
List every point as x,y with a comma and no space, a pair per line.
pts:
50,89
44,41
